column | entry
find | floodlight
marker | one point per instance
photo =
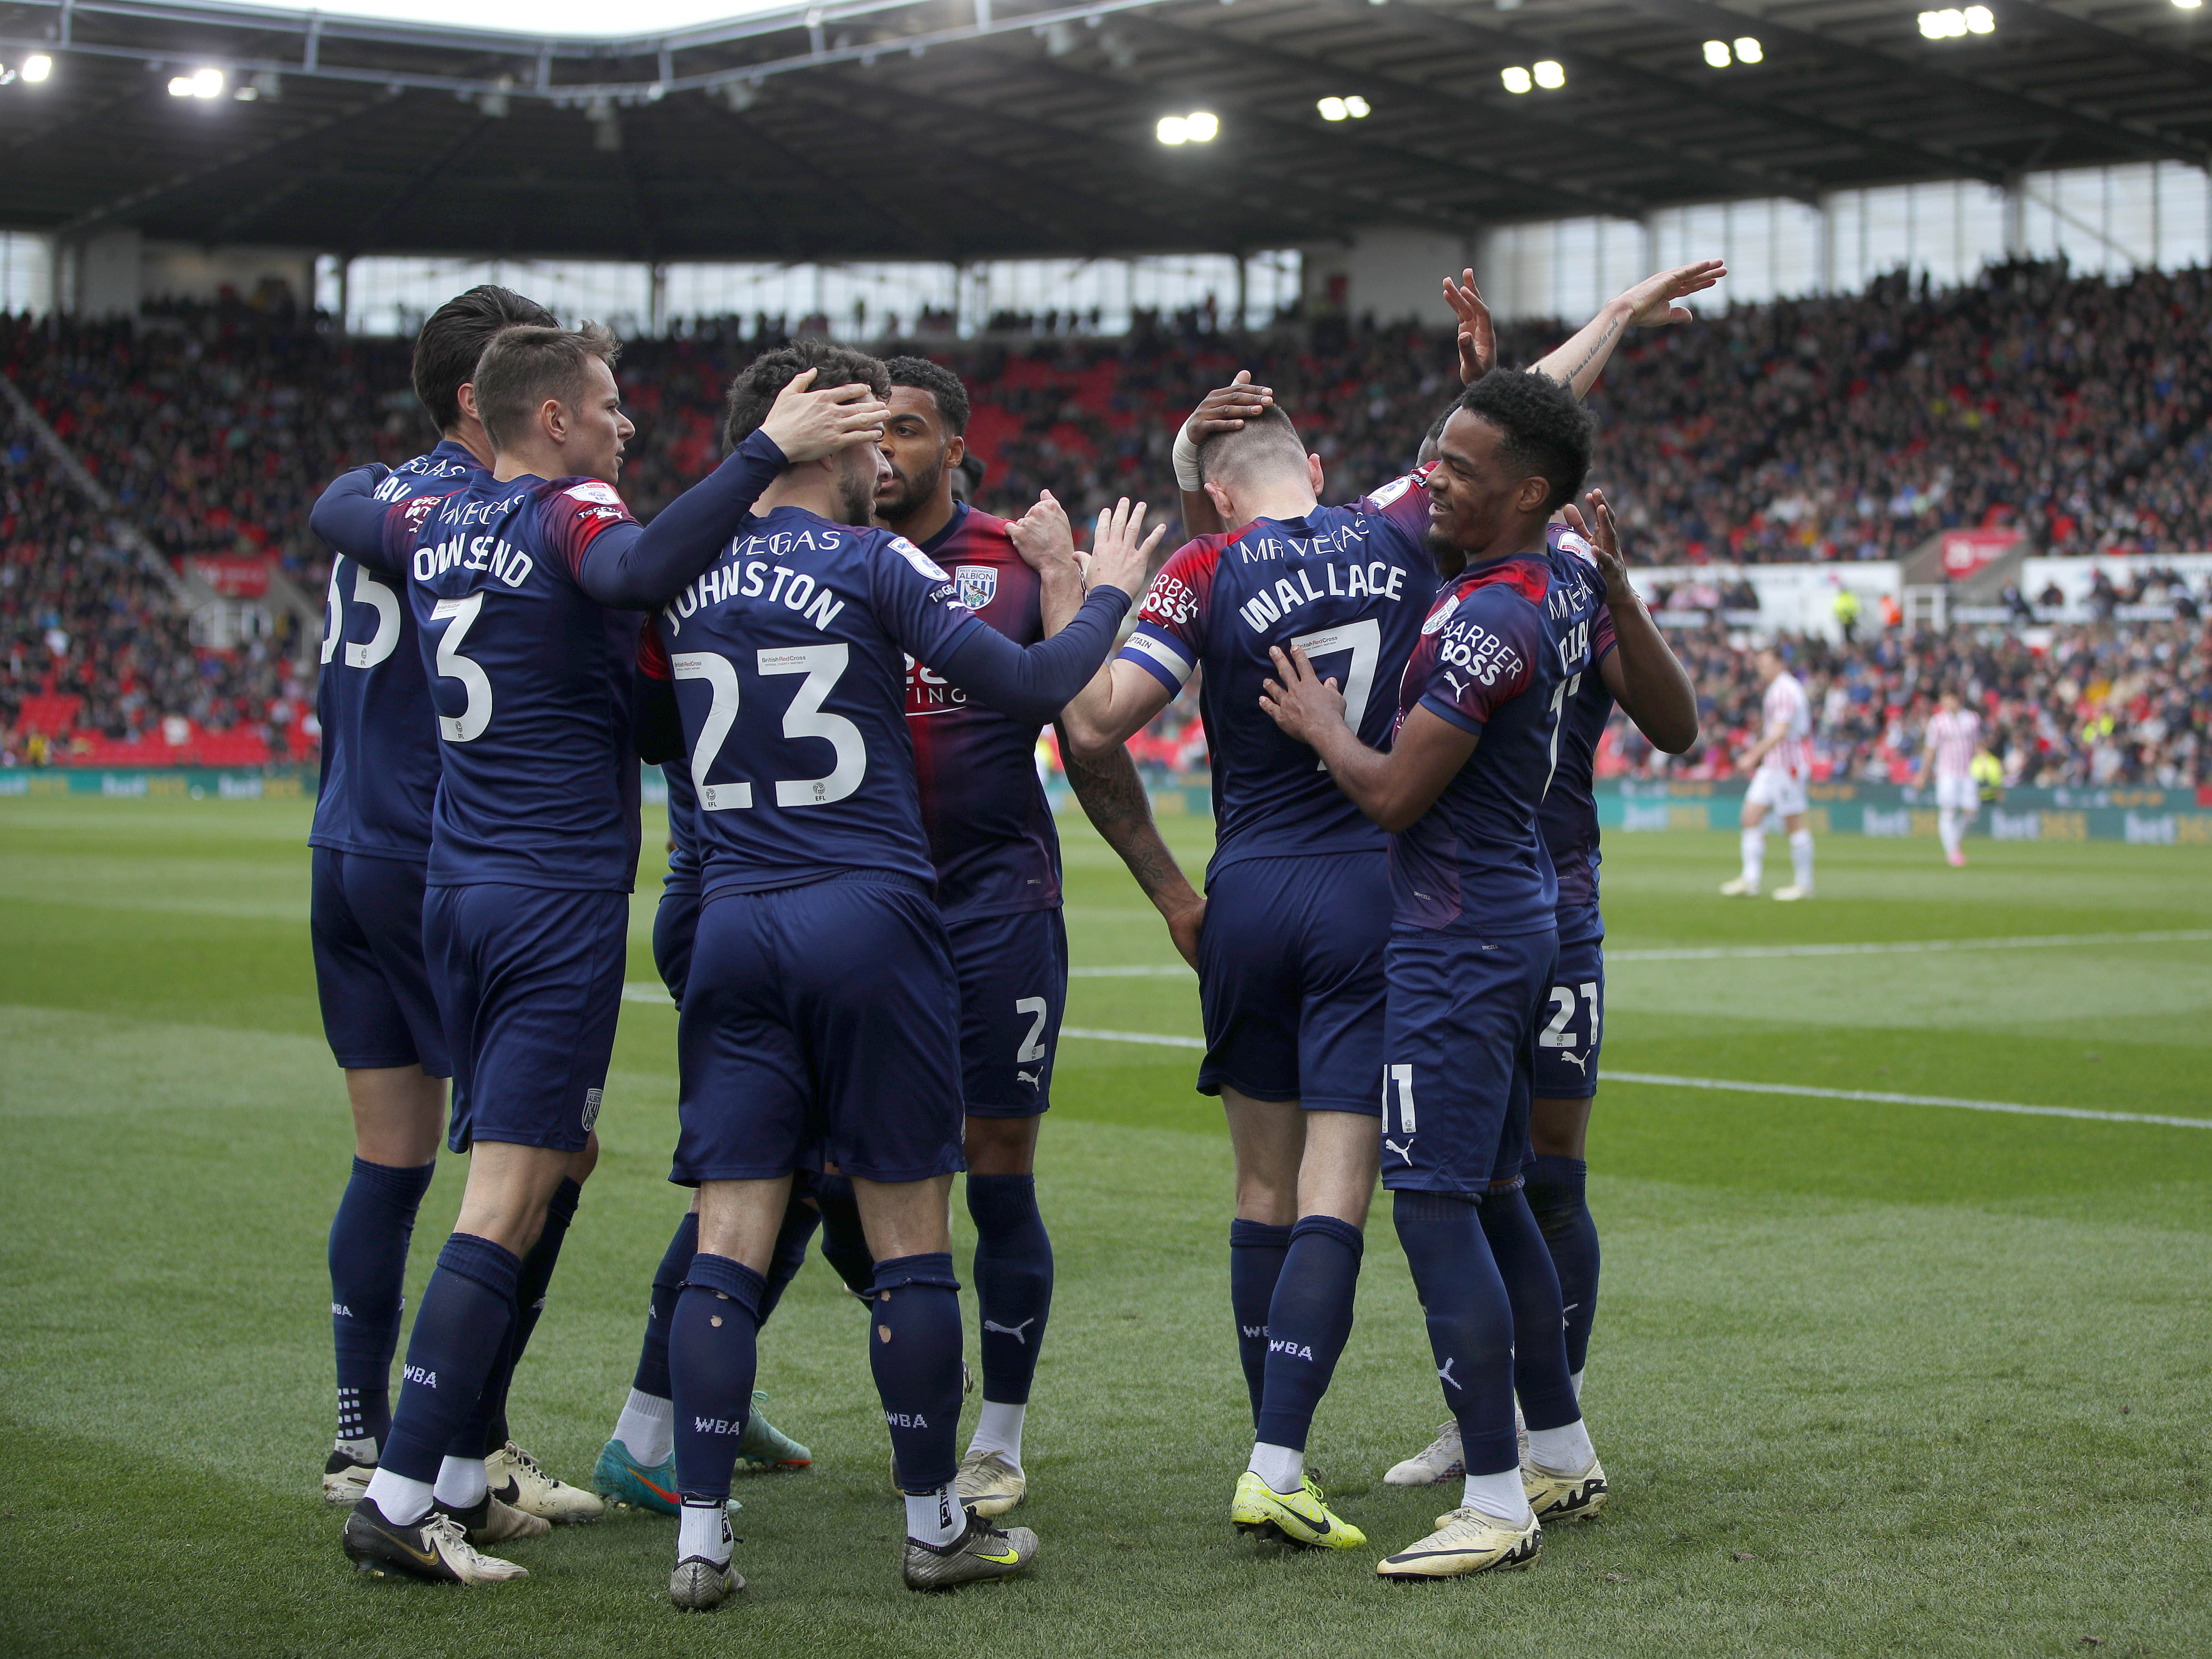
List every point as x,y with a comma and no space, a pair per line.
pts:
1356,107
1515,79
2188,5
1981,19
1944,25
1747,49
1717,54
37,67
1201,127
1550,76
1172,130
207,83
1332,109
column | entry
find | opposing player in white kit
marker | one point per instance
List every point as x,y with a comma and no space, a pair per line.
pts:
1954,731
1781,765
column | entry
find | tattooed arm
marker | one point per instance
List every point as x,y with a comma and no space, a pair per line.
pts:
1115,801
1649,304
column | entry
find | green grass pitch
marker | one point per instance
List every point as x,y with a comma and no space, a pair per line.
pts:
1869,1378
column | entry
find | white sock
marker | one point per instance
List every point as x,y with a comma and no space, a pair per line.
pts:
1801,857
397,1499
462,1482
1576,1380
647,1427
1498,1496
1283,1469
1754,854
998,1429
935,1518
1562,1451
702,1529
363,1450
1947,828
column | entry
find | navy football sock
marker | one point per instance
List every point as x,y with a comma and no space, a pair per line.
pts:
368,1273
529,1300
660,1315
1539,1342
464,1321
1013,1282
1256,1250
713,1353
800,1219
1470,1323
844,1240
1558,1188
913,1348
1309,1321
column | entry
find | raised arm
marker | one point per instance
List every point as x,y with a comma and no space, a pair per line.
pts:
1649,304
1225,408
1394,787
1124,695
1046,542
641,568
1645,676
1113,799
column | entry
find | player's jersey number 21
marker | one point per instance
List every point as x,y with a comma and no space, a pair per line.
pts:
804,717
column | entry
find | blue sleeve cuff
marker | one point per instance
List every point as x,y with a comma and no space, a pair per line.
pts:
1452,713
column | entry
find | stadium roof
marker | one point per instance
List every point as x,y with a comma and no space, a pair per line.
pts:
964,128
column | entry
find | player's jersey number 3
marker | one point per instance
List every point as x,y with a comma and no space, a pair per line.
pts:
804,717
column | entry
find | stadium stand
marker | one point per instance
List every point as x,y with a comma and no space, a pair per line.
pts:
1835,429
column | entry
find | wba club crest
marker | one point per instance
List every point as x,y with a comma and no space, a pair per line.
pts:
979,584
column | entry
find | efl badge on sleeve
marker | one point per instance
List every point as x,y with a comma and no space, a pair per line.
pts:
979,584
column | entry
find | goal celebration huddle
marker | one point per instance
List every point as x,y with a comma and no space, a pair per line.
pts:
843,670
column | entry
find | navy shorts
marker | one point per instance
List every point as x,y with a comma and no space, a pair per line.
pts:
675,923
1460,1057
1573,1028
529,981
1290,979
1013,992
820,1022
366,919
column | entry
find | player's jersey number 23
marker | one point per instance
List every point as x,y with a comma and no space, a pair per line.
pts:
804,717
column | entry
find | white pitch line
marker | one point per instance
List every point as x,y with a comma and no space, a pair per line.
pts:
1133,1036
646,991
1754,952
1907,947
1877,1096
1885,1099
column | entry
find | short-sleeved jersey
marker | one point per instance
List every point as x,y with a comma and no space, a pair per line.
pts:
380,775
683,829
1953,737
530,679
1569,814
1496,654
983,807
1348,584
1786,706
789,663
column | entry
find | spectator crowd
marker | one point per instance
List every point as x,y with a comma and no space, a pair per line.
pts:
1837,429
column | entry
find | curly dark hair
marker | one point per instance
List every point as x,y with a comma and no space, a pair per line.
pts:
1545,429
754,391
940,382
454,337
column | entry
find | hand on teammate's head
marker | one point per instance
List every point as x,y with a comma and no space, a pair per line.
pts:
1118,559
1043,536
1651,301
1226,407
808,425
1477,339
